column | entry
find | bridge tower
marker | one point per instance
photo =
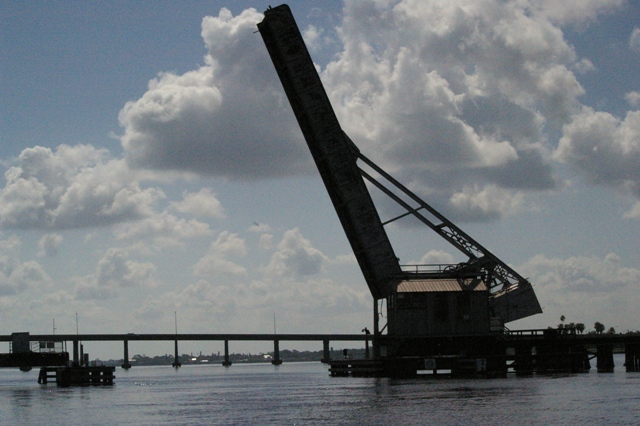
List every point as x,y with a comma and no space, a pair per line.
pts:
473,297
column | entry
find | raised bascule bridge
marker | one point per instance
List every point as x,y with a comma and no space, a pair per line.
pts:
448,317
443,318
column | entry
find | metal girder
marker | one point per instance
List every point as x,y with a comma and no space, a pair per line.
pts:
511,295
334,154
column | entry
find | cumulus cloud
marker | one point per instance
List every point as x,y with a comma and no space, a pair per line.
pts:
489,201
49,245
633,98
114,272
604,148
228,118
313,38
24,275
570,11
634,40
295,256
16,276
71,187
446,96
454,95
216,261
202,204
207,303
585,288
163,228
436,257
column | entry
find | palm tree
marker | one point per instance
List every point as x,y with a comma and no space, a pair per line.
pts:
599,327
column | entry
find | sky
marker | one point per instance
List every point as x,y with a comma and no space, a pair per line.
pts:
153,168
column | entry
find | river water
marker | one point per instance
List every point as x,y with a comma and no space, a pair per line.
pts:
305,394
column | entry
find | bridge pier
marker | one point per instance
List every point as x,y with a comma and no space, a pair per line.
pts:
605,358
126,364
632,357
326,353
176,359
226,362
276,353
523,363
76,356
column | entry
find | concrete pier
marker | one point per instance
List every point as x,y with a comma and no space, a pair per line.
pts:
276,353
226,362
176,358
76,352
126,364
326,352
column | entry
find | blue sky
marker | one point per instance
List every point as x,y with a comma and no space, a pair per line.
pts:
152,164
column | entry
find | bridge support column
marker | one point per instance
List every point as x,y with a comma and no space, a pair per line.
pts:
376,330
326,353
226,362
366,343
523,363
126,364
76,353
632,357
605,359
176,362
276,353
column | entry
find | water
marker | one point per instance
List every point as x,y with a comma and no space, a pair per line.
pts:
305,394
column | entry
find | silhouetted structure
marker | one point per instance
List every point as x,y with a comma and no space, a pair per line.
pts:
472,298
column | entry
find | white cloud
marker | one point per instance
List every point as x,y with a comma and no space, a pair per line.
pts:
633,212
71,187
570,11
634,40
266,241
487,202
228,118
24,275
296,257
216,261
164,229
604,148
115,272
585,289
202,204
633,98
16,276
445,95
436,257
49,244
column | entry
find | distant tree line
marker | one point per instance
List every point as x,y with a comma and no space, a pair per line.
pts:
598,327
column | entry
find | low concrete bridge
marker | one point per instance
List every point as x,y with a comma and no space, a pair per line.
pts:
226,338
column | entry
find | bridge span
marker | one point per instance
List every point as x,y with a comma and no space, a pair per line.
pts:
176,337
